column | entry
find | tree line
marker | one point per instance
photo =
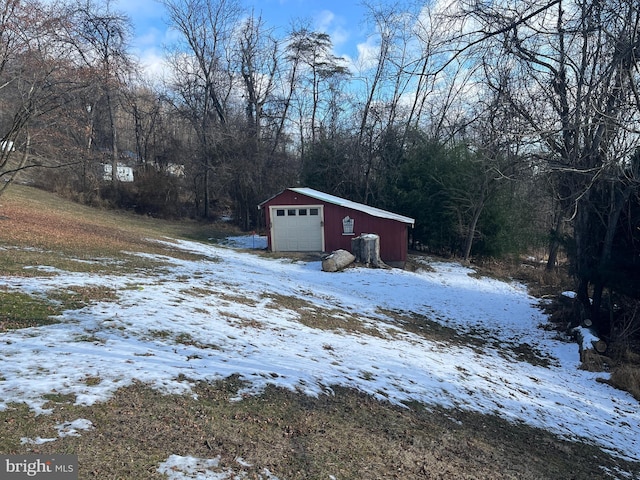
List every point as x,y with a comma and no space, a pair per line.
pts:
500,127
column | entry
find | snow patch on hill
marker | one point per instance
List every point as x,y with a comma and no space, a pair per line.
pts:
206,320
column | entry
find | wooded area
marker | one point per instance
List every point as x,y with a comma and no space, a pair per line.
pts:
500,127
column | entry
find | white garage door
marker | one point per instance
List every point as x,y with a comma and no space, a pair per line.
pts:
297,228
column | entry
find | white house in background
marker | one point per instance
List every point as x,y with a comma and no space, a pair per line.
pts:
7,146
123,173
175,169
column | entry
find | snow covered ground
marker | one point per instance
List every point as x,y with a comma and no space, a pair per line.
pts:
227,305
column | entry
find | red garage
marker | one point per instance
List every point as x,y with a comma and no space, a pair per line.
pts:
306,220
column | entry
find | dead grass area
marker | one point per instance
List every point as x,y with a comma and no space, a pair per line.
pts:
314,316
347,435
50,228
626,377
429,328
540,282
229,298
76,297
623,369
417,262
42,229
294,256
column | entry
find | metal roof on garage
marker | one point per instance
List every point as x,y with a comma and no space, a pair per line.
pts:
343,202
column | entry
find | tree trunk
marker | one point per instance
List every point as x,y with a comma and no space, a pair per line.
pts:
206,192
554,243
617,203
366,249
114,137
583,261
471,232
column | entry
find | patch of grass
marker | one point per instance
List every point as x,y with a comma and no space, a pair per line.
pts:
76,297
242,299
185,255
540,282
527,353
21,310
366,375
626,377
18,261
197,291
419,263
215,293
431,329
29,262
592,361
237,320
92,381
90,338
163,334
42,229
347,435
185,339
59,397
314,316
18,422
293,257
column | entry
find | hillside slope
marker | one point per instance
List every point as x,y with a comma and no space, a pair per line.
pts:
191,320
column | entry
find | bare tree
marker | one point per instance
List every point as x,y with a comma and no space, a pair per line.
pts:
574,84
100,35
259,58
145,108
313,68
36,79
203,79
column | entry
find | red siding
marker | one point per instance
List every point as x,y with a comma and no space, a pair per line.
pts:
393,234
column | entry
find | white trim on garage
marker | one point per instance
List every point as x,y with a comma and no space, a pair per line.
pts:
375,212
297,228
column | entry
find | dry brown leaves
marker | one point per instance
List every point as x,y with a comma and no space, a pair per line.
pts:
29,224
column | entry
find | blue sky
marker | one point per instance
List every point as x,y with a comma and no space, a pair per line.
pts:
342,20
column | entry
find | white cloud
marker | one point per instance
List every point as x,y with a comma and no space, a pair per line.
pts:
334,25
149,48
154,64
328,22
368,53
